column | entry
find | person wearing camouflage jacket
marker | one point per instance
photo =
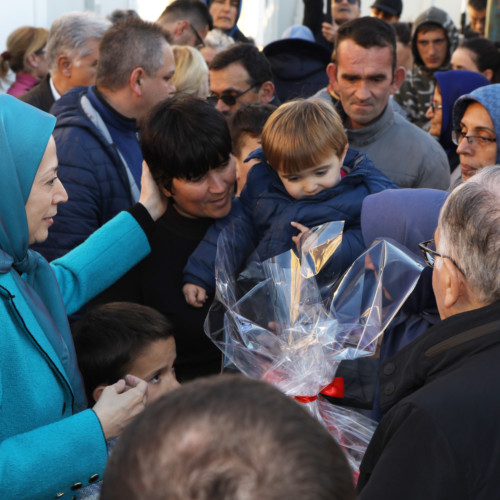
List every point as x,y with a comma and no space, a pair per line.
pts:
434,38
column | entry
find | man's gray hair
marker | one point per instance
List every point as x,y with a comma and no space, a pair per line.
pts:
470,232
129,44
70,33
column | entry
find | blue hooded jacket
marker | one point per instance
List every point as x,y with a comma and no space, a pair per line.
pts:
262,216
489,97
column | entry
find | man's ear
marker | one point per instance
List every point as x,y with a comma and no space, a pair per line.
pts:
331,71
180,26
453,286
64,65
266,92
399,78
136,80
96,393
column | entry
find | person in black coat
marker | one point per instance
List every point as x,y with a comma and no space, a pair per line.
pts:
439,437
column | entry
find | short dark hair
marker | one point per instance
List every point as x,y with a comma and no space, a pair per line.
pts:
368,32
403,32
229,438
478,4
249,119
195,11
129,44
250,57
485,54
184,137
110,337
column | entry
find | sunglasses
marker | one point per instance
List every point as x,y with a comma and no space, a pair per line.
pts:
352,2
200,40
228,99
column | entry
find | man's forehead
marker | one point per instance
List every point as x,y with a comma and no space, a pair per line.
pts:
349,52
232,77
431,33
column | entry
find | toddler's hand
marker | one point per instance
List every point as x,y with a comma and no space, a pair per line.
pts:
301,239
195,295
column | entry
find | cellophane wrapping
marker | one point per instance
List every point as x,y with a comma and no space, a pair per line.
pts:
282,321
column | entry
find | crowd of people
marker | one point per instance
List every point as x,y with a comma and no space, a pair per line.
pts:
128,146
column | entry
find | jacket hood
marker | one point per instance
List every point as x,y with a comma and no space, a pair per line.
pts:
489,97
454,84
234,29
441,19
298,67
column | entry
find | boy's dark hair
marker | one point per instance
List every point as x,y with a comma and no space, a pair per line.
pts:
184,137
368,32
126,45
195,11
229,438
249,119
478,4
250,57
110,337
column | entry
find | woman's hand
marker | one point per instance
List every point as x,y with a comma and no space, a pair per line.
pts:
151,196
119,404
195,295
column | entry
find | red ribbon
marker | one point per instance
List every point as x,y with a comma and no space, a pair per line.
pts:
336,390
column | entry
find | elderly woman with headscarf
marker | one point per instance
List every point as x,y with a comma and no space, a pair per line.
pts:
50,444
450,85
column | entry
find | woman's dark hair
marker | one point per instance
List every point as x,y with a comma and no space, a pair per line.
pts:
184,137
486,55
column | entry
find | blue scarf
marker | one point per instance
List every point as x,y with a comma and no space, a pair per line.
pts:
24,134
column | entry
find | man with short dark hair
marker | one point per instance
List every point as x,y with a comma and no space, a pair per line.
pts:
100,160
476,12
186,22
72,52
434,39
438,439
364,75
227,438
238,75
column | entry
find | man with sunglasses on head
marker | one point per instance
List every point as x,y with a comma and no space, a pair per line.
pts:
438,438
239,75
186,22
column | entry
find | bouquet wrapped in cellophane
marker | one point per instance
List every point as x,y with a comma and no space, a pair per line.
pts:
283,321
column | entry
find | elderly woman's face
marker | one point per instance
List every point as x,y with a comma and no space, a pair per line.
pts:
46,193
209,196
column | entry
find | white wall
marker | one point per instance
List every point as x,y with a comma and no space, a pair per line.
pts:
265,20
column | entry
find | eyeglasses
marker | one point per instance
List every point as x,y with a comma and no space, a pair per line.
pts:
352,2
228,99
429,254
201,42
435,106
40,52
457,136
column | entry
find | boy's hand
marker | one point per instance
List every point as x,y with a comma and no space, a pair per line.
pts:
301,240
195,295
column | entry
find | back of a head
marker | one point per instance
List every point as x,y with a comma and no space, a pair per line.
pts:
120,14
108,338
195,11
227,438
21,43
368,32
470,232
249,56
127,45
486,55
191,71
184,137
70,33
301,134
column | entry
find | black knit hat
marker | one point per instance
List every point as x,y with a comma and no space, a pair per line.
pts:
392,7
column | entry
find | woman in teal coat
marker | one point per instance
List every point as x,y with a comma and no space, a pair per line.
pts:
50,444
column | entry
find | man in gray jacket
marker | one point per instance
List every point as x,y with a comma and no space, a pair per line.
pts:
364,76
